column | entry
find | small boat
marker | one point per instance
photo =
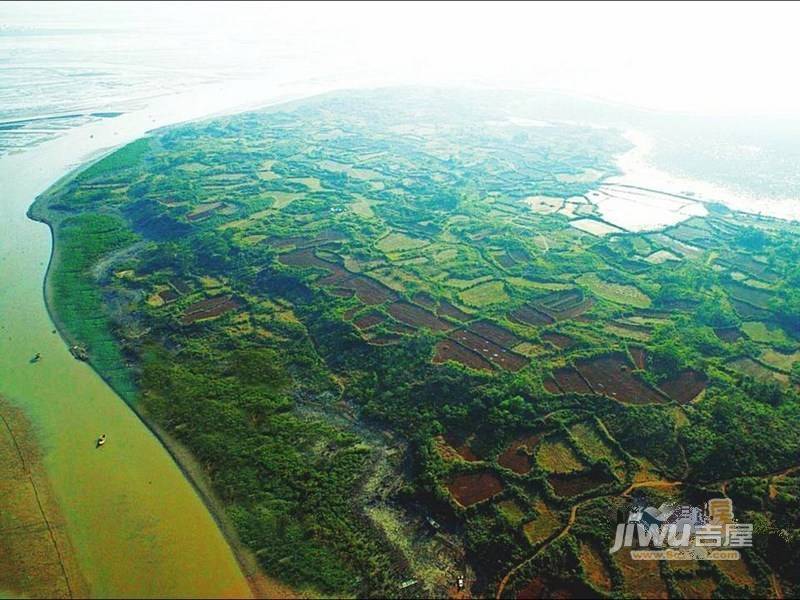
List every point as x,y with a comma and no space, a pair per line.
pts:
101,440
79,352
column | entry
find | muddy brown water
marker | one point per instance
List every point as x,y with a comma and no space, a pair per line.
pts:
137,527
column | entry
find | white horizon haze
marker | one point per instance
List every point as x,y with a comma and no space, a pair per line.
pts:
721,59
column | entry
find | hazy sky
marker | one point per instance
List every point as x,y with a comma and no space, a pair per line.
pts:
718,58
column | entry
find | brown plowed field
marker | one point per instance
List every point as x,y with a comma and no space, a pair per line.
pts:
519,455
450,350
448,310
490,351
494,333
368,290
559,340
369,320
612,376
685,386
417,317
471,488
208,308
528,315
569,380
569,484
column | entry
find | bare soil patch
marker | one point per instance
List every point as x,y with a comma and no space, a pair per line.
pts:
451,350
208,309
519,455
471,488
612,376
415,316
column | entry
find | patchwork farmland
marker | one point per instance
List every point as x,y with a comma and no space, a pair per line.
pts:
380,325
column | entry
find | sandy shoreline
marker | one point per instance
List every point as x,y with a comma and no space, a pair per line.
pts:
36,554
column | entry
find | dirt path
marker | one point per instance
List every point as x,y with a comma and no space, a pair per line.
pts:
655,483
573,515
776,586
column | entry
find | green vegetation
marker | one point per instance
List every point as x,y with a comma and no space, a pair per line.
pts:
484,294
766,333
399,242
118,161
312,297
615,292
75,297
557,457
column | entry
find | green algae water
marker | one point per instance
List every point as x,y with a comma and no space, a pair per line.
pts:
138,528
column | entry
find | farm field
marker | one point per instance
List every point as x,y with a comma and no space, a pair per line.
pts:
368,304
471,488
622,294
519,455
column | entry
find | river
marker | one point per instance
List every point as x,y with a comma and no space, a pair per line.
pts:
137,526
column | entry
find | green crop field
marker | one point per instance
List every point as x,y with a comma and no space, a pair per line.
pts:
483,294
615,292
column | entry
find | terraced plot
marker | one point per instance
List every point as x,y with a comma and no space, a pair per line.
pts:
494,333
208,309
450,350
368,290
780,360
448,310
519,455
400,242
369,320
529,315
615,292
748,366
451,446
471,488
498,355
417,317
611,376
568,485
485,294
545,524
570,381
559,340
765,332
750,295
566,304
557,456
512,511
592,441
685,386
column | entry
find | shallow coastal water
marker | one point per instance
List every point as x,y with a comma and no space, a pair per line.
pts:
639,170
